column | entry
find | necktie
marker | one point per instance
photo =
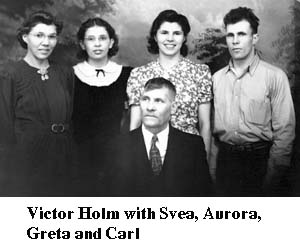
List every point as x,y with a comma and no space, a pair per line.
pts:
155,158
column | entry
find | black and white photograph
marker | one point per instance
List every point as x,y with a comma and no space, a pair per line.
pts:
151,100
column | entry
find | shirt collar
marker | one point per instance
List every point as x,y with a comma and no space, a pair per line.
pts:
251,68
162,135
90,71
88,74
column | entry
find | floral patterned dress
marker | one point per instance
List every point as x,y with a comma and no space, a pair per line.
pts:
193,86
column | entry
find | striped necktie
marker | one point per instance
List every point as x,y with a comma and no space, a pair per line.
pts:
155,158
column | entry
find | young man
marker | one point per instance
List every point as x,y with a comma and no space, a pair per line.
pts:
157,159
254,117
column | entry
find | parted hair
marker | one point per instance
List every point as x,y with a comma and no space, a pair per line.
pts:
35,18
82,54
168,16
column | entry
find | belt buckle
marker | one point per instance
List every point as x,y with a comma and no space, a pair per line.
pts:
240,147
57,128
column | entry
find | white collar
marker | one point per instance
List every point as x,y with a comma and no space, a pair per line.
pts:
162,142
162,134
88,74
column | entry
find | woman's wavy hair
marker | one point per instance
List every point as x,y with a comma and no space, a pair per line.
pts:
82,54
35,18
168,16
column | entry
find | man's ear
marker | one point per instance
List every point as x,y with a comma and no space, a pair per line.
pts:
255,38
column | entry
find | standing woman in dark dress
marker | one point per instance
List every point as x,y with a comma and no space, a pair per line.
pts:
100,95
35,112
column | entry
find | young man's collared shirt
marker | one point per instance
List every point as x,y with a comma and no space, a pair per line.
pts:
256,106
161,144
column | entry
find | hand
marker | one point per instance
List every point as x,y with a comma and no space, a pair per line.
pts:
272,182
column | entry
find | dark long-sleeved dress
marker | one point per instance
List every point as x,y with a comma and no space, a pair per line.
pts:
97,116
36,142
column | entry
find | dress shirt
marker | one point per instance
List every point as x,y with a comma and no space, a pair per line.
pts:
256,106
162,142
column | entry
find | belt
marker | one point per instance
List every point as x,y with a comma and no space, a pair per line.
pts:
56,128
59,128
247,147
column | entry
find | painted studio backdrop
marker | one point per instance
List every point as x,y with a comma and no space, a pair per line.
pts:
132,20
279,30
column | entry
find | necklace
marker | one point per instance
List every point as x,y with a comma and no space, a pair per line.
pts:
44,73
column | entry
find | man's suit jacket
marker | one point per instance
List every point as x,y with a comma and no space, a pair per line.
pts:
184,171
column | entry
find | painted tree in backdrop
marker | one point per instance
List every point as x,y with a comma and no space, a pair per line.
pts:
287,45
210,48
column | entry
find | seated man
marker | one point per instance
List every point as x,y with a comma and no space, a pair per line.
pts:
157,159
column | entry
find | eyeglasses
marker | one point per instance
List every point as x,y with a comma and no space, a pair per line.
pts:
41,36
94,39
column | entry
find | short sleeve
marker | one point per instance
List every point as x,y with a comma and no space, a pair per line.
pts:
204,83
134,86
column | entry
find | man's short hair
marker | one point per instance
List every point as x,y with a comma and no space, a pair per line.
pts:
159,82
239,14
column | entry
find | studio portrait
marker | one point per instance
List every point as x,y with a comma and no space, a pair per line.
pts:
139,98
